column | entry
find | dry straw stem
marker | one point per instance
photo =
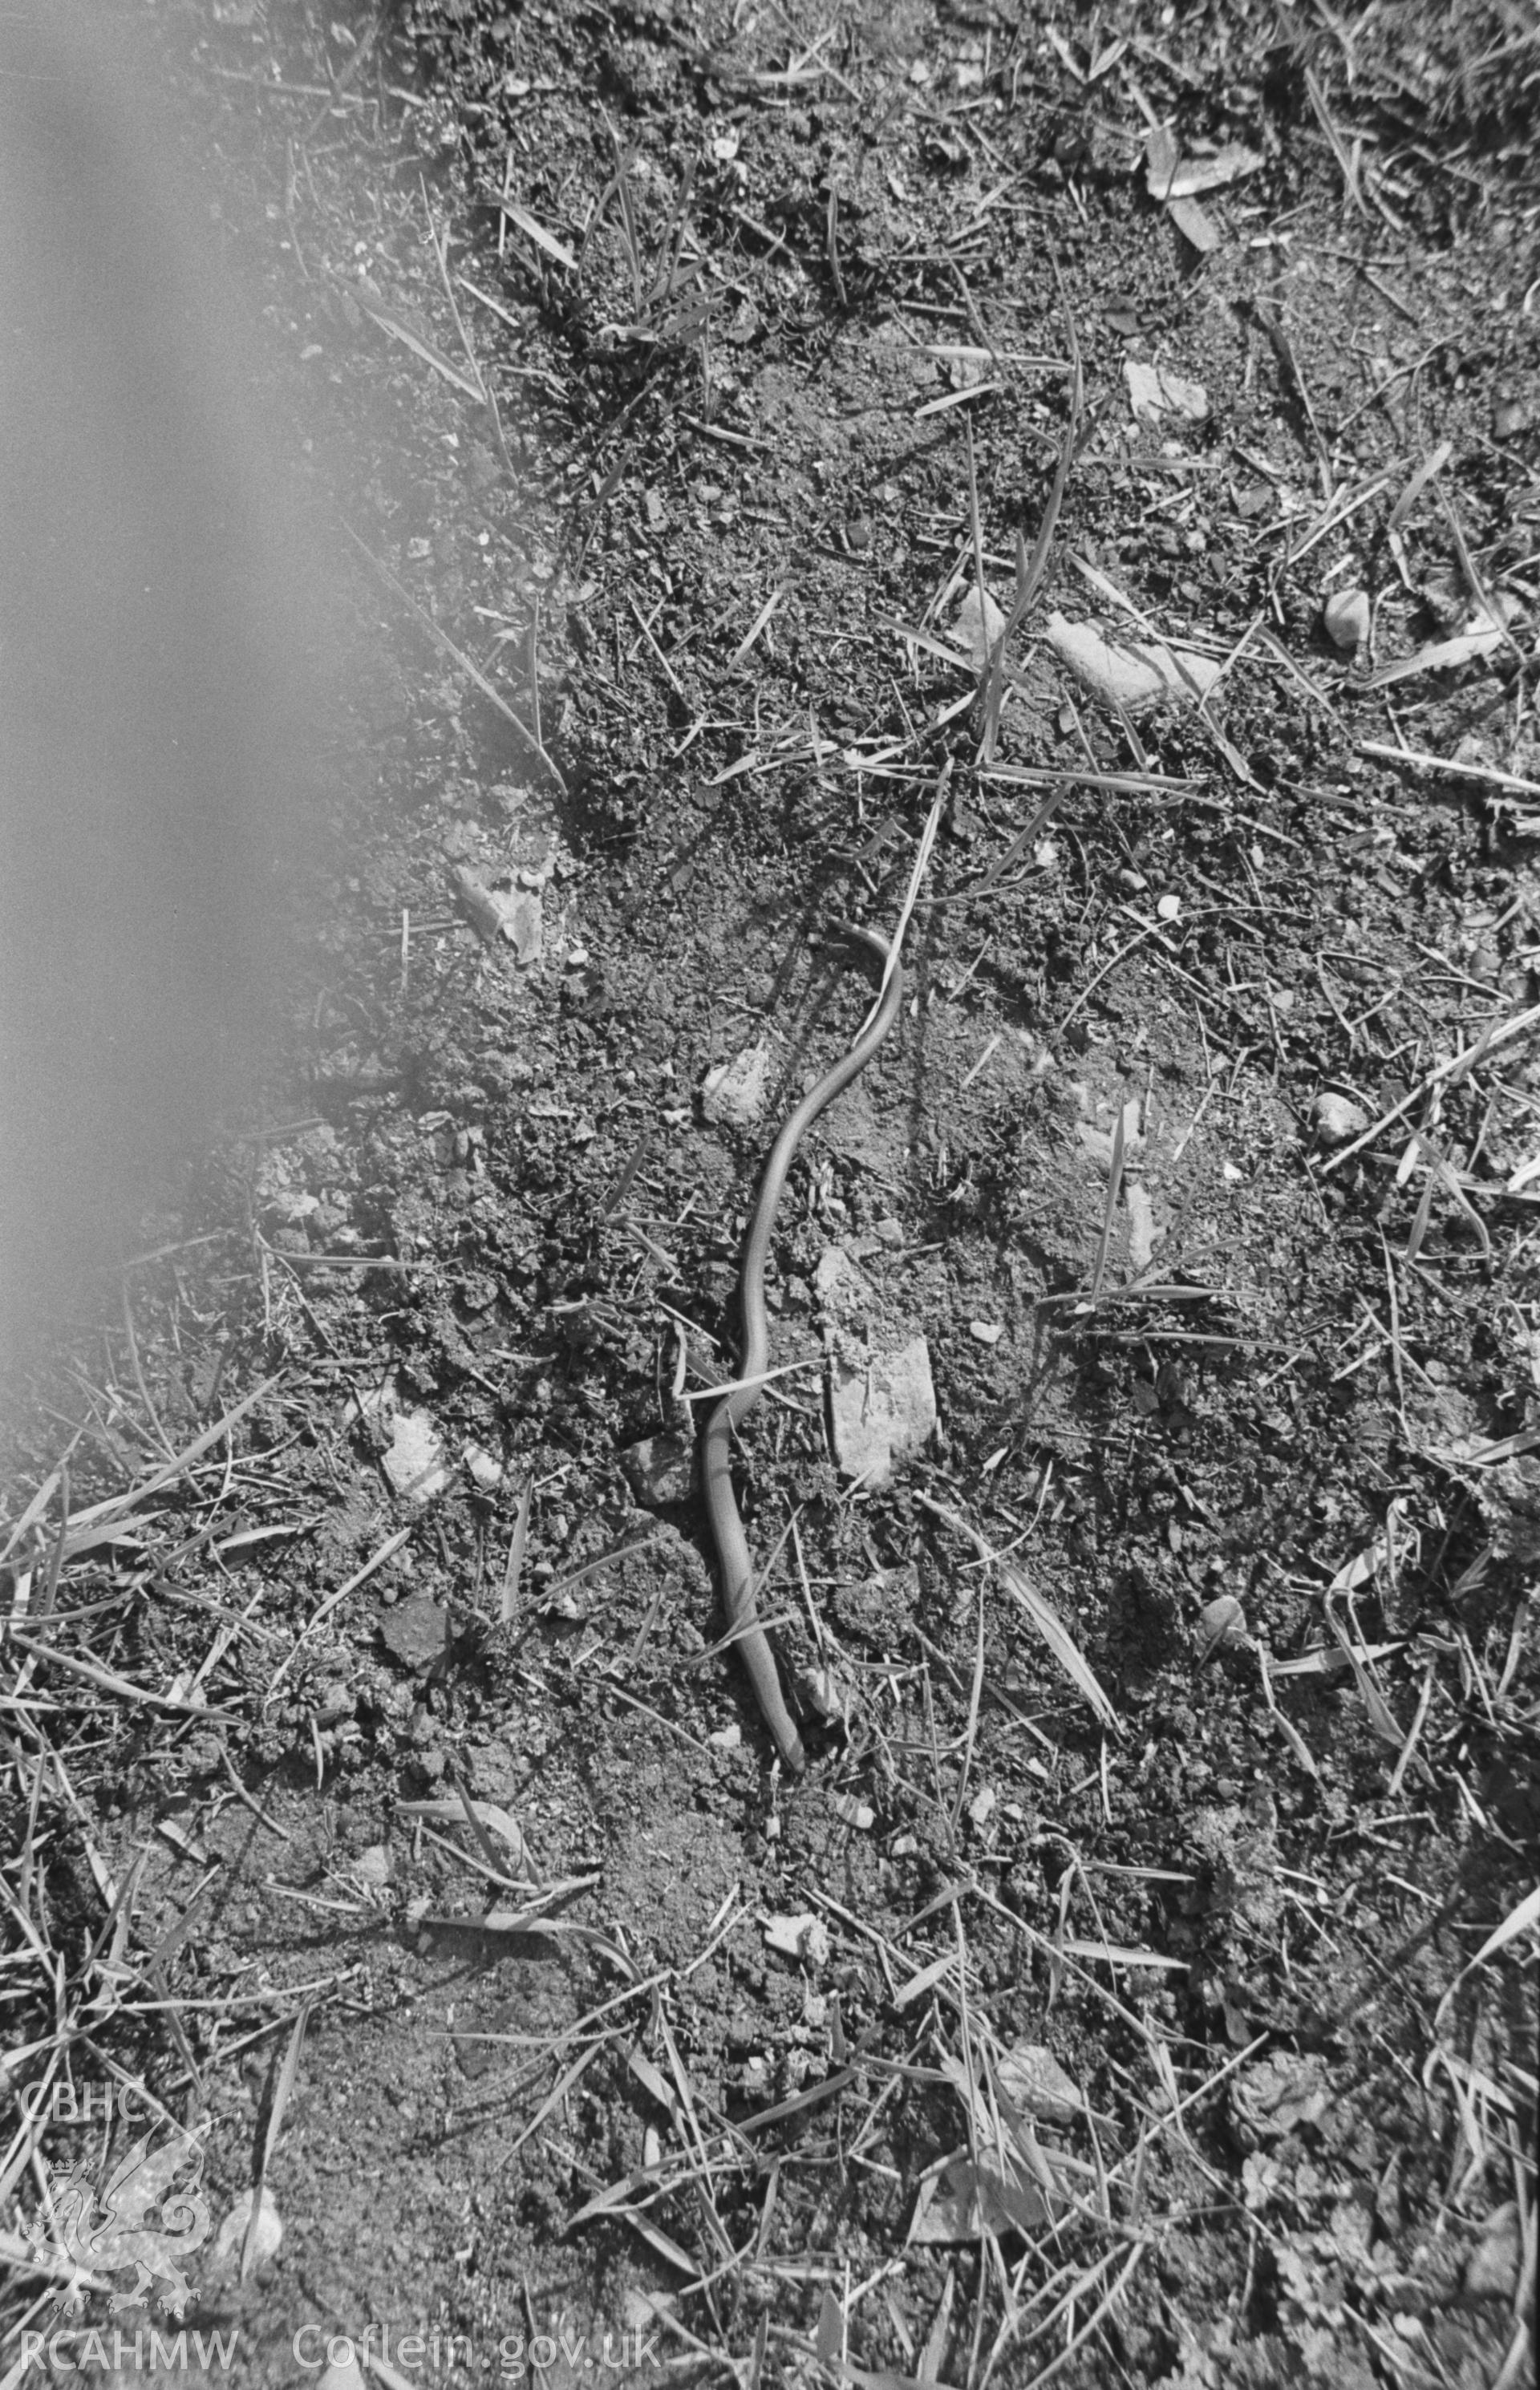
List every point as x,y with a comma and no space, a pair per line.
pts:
411,337
1031,570
1115,1187
645,628
89,1529
1494,1036
1347,159
507,1607
1415,760
755,628
1522,1918
387,1550
277,2107
630,238
473,672
439,243
105,1681
533,230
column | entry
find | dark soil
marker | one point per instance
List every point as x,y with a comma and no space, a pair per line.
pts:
668,2045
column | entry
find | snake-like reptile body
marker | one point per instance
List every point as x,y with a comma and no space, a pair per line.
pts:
716,1480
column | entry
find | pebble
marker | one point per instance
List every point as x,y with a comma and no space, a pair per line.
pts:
1338,1118
484,1468
734,1093
1346,615
1033,2080
1492,2269
228,2252
659,1469
1129,673
414,1461
882,1413
1154,391
1221,1624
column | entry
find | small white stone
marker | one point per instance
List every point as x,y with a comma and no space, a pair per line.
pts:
1338,1118
1346,616
1032,2079
1143,1234
1130,673
1153,392
1491,2270
1221,1624
827,1692
484,1468
734,1093
840,1284
415,1462
804,1936
882,1413
229,2247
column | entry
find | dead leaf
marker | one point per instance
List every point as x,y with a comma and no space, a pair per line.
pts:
1281,2092
966,2201
1153,391
1032,2077
1169,176
1056,1635
448,1811
535,231
978,624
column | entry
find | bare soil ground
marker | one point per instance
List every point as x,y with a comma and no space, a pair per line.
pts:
1140,1984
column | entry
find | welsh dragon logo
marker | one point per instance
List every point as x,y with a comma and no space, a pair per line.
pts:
109,2230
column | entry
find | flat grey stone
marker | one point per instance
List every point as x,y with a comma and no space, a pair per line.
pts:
1129,672
840,1284
510,914
883,1412
735,1092
1492,2269
415,1460
1154,391
659,1469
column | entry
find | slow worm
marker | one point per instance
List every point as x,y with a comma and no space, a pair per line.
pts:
716,1480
